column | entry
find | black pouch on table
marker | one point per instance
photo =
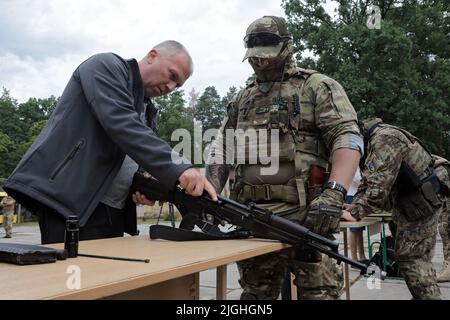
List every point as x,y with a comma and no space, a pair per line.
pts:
25,254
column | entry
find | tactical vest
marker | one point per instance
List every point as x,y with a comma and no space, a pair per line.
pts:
413,141
281,106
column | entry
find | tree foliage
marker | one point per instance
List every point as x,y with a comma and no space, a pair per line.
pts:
20,125
173,115
36,110
209,110
10,121
232,91
399,72
5,143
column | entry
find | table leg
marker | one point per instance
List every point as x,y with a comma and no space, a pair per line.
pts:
346,271
294,295
369,245
221,283
383,235
195,289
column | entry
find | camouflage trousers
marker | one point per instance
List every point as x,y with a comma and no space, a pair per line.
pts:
443,229
261,277
8,222
414,249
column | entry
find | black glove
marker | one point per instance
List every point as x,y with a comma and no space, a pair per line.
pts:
324,212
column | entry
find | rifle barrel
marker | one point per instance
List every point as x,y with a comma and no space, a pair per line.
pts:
114,258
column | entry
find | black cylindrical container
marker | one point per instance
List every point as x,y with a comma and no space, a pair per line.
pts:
72,237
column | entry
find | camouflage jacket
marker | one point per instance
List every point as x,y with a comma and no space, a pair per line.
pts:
388,147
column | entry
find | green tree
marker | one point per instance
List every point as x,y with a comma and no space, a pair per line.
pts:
21,124
400,72
5,143
32,134
228,97
10,120
11,134
36,110
209,110
173,115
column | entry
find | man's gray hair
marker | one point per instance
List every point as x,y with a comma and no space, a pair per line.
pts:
172,47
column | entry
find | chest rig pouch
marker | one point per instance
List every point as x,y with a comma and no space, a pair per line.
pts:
417,199
278,106
260,114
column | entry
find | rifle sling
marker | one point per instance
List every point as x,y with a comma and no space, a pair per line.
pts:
175,234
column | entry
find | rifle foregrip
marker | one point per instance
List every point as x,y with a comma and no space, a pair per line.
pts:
301,231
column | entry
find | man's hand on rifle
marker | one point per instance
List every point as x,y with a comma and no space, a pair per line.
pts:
140,199
194,184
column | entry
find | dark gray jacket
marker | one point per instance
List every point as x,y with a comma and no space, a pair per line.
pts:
99,118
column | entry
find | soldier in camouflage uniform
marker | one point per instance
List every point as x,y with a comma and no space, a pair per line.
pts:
398,176
442,167
8,214
316,125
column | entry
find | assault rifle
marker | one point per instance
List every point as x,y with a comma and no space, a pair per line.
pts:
260,222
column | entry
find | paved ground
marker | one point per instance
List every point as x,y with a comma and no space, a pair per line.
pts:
388,290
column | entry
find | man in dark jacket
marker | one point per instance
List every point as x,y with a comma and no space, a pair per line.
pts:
83,161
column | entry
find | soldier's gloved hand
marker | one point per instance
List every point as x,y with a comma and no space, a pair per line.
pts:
324,213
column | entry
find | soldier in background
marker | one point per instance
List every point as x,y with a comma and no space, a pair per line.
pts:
442,167
398,176
316,122
8,204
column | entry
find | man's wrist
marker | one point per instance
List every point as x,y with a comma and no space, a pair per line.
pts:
332,197
333,185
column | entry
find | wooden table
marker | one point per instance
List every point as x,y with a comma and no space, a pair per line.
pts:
173,271
368,223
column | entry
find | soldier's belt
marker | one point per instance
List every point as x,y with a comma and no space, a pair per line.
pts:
267,192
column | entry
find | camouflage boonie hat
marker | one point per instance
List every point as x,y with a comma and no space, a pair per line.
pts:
267,24
7,201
